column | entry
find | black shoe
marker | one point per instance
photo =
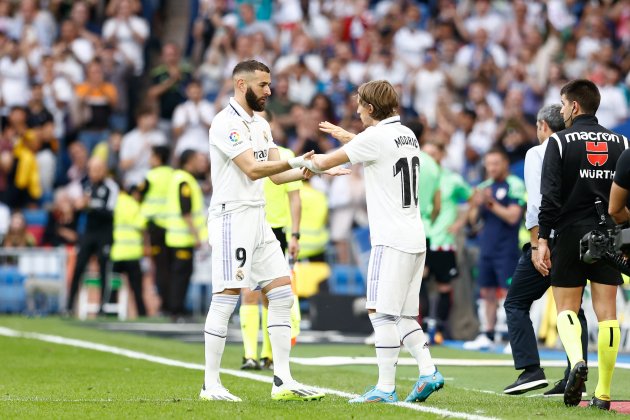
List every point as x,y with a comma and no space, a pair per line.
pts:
601,404
558,389
266,363
577,377
527,381
250,364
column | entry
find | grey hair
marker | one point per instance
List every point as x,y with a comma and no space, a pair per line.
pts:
552,116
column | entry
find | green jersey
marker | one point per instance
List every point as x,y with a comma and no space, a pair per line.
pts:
454,191
429,182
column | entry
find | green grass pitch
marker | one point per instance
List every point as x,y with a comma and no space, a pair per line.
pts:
41,380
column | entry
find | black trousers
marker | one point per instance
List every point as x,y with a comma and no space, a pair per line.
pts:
134,274
181,272
91,243
161,262
527,286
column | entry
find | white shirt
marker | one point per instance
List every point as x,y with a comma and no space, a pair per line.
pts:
122,32
137,145
410,45
533,171
234,132
14,82
193,118
390,153
613,108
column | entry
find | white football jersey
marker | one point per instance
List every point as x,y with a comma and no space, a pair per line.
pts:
234,132
390,154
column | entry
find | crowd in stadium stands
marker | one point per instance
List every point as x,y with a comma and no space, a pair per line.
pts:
95,78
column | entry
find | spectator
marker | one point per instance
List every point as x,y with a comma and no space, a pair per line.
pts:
17,236
191,121
498,202
77,172
47,158
61,228
118,70
128,33
81,48
169,81
614,106
426,87
57,94
14,75
38,114
96,102
24,184
33,26
109,152
135,149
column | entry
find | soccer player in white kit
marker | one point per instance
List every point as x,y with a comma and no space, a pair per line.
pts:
245,252
390,153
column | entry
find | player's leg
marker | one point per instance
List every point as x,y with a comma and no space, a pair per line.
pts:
231,243
387,283
412,336
249,314
269,269
527,286
266,354
445,273
487,281
604,303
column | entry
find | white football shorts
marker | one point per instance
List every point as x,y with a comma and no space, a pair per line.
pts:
245,252
394,280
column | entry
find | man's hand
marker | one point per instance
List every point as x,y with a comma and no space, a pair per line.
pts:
313,163
338,171
336,131
299,161
541,257
294,247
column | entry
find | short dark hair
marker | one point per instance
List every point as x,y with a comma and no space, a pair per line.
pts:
584,92
186,156
498,150
250,66
552,116
162,153
417,127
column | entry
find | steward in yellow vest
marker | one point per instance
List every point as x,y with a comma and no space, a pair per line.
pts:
314,234
127,249
186,228
155,194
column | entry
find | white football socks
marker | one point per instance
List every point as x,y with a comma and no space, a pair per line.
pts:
279,328
215,332
415,341
387,349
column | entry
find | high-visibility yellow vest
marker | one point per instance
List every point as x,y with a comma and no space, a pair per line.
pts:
178,234
313,232
277,208
128,226
155,198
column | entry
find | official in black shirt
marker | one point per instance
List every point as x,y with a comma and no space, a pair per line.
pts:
578,170
619,204
98,204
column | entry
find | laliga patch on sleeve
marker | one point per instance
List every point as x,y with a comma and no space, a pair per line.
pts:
235,137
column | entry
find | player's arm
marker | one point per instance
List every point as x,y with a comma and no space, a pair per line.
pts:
437,204
329,160
257,170
617,204
286,176
336,131
185,203
295,206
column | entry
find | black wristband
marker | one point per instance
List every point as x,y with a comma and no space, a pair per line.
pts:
296,235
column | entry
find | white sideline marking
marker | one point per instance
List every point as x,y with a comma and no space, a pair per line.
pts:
195,366
407,361
92,400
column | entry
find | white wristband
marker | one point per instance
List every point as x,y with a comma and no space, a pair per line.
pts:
296,162
308,164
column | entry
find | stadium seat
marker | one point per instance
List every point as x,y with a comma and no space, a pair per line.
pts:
12,294
346,280
308,276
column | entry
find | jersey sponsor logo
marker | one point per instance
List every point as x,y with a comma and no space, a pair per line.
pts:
406,141
591,135
597,152
597,173
260,155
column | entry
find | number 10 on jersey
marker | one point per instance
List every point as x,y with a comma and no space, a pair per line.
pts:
408,179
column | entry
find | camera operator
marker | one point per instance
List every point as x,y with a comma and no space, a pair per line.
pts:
528,284
618,205
577,172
